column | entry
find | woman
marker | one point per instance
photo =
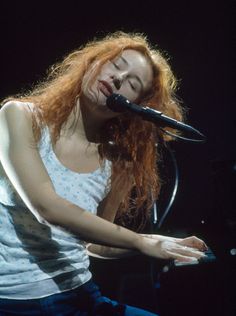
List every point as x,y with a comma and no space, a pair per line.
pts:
69,167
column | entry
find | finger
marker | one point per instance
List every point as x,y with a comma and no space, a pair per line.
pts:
198,242
190,252
181,258
194,242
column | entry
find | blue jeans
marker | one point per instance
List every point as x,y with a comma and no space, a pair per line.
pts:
83,301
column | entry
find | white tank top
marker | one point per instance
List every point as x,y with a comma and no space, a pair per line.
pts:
37,260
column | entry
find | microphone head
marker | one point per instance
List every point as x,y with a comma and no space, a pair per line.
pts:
117,103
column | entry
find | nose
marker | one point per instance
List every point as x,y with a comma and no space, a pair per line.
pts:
117,80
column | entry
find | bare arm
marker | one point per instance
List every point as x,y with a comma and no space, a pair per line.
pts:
19,155
107,209
186,245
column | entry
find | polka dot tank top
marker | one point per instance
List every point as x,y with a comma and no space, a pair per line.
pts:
37,260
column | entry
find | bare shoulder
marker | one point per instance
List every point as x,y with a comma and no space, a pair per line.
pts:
16,109
16,116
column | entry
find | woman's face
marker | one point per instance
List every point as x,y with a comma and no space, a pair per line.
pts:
130,74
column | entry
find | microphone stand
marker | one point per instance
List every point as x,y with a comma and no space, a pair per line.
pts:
157,221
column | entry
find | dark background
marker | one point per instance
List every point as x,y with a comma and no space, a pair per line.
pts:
198,37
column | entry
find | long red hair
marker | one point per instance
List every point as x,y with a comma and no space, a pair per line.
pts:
126,138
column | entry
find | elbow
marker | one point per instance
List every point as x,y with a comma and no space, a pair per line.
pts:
45,211
43,215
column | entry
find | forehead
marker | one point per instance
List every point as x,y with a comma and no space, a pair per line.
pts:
138,64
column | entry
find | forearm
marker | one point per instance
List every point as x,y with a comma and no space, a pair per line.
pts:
106,252
89,227
161,237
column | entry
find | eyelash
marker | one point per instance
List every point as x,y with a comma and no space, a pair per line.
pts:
132,87
116,66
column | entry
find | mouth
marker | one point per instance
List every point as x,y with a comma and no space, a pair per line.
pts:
105,88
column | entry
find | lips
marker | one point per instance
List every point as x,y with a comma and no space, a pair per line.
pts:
105,88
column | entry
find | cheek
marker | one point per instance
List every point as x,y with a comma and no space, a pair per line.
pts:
88,91
89,85
129,94
90,78
105,72
86,83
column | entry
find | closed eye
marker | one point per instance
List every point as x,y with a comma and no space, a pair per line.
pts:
132,86
115,65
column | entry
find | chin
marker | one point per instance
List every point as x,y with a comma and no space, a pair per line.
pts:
101,100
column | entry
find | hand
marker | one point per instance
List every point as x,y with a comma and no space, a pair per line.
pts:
180,249
192,242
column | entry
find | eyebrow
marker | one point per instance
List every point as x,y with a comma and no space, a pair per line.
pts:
135,76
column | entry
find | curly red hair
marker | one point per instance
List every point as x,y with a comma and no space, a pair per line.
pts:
126,138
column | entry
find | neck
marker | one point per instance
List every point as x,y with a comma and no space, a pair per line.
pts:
84,123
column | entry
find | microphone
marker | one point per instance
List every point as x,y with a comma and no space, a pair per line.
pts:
118,103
